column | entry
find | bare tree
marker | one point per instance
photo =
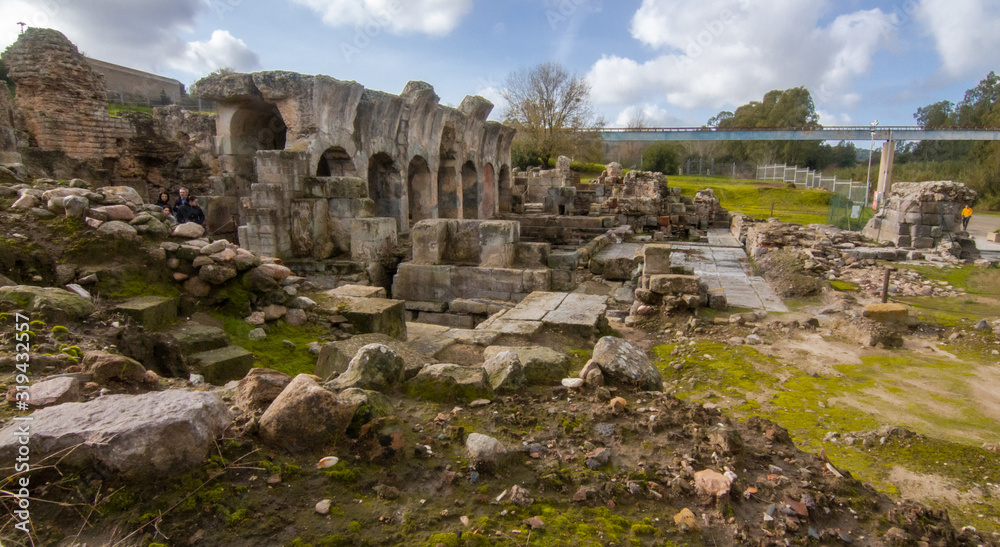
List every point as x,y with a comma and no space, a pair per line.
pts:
551,110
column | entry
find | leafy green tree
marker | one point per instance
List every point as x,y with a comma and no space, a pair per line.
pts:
779,109
551,110
661,156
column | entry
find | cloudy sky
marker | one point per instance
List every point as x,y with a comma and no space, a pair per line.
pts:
679,61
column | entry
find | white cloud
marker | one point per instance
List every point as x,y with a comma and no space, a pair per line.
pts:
652,116
831,118
723,53
967,33
434,17
222,50
142,34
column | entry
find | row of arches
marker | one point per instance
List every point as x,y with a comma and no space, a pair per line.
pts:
463,190
478,191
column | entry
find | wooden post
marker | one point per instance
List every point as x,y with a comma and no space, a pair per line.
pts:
885,283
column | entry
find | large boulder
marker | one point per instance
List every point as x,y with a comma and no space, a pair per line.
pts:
625,363
116,212
305,416
48,300
541,365
121,195
374,367
504,371
448,383
108,366
188,230
260,387
118,230
154,435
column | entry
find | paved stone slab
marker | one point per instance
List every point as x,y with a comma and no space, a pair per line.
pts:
578,312
535,306
472,336
359,291
524,328
723,264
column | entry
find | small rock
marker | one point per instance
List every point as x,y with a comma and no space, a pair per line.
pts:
573,383
257,334
685,521
255,318
712,483
323,507
535,523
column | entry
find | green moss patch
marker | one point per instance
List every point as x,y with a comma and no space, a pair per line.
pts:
273,352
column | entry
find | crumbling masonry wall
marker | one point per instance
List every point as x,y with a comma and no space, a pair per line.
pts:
304,155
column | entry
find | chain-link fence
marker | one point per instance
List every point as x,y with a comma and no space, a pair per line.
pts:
847,214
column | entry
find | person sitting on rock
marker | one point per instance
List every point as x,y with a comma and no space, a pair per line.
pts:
182,200
163,200
191,212
170,215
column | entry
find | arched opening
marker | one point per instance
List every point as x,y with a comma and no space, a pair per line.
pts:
385,186
257,126
335,162
470,191
447,176
488,207
506,191
418,183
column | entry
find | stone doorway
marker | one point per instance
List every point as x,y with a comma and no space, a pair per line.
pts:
470,191
418,183
335,162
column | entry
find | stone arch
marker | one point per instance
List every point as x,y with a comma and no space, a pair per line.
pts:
505,191
418,184
448,196
470,191
335,162
385,185
257,126
488,206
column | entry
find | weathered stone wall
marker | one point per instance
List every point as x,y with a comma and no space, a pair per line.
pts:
418,159
8,132
136,85
919,214
60,98
456,259
171,149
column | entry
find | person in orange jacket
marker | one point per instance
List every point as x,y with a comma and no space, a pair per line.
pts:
966,216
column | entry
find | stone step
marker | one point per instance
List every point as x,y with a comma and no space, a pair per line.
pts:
193,338
221,365
152,312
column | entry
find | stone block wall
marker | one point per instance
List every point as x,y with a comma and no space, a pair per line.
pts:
919,214
60,98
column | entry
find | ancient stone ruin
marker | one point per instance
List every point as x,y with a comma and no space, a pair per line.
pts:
923,215
305,155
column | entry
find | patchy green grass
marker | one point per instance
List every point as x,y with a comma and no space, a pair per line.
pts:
976,281
273,352
950,311
842,286
755,198
932,396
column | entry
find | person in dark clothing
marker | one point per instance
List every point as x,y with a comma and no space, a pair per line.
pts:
163,200
182,200
191,212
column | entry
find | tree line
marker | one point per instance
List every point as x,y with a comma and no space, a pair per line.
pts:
552,111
